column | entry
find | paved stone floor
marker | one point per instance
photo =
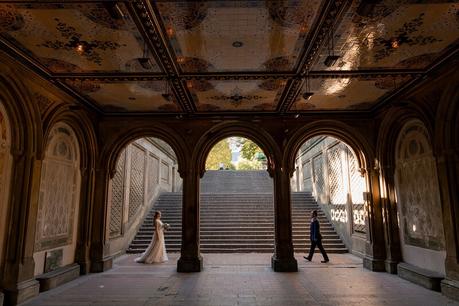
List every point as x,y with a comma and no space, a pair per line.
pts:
241,279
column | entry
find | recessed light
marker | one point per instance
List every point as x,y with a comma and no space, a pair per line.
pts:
394,43
79,48
237,44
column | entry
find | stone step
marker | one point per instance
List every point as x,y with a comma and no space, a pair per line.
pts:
241,222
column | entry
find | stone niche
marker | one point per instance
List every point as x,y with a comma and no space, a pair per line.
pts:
57,216
418,195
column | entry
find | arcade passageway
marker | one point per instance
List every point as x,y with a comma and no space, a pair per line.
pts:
110,107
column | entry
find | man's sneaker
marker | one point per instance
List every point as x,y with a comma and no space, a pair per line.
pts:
325,261
307,258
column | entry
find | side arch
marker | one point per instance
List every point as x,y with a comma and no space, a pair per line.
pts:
112,150
362,148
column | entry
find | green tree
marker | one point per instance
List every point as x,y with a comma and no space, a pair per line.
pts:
220,154
250,150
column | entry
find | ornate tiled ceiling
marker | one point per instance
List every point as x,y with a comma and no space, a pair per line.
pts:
205,57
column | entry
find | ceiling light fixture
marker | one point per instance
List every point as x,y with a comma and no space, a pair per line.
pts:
237,44
307,94
80,48
331,59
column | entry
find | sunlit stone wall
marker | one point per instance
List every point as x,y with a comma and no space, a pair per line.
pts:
418,197
329,169
145,168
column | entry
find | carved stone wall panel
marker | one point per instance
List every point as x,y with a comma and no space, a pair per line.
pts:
137,177
319,178
307,179
153,165
357,188
116,213
59,185
337,189
418,189
165,175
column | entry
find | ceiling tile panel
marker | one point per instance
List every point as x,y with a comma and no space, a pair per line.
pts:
72,38
210,36
393,35
138,96
347,93
236,96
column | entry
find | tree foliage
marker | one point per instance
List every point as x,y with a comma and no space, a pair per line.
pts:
220,154
250,150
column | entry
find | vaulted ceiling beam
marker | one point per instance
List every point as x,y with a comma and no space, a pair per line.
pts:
148,24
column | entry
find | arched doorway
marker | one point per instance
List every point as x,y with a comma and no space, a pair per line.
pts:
418,195
5,177
59,198
236,199
328,179
145,180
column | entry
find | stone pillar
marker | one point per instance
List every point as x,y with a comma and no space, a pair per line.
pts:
18,283
283,259
374,258
391,229
448,174
190,257
82,255
99,231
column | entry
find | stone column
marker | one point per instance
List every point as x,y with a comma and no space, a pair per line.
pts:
82,255
391,229
99,231
374,248
448,174
18,283
283,259
190,257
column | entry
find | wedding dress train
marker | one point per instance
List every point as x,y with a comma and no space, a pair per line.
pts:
156,250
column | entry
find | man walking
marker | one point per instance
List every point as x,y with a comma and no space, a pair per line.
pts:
316,238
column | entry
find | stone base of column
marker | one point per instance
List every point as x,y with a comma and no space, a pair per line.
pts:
102,265
1,299
190,264
376,265
284,265
23,292
391,266
450,288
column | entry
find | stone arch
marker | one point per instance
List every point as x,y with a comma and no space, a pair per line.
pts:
112,151
339,176
360,146
228,129
418,194
59,198
6,163
390,129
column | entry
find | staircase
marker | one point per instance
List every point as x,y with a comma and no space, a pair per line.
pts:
238,218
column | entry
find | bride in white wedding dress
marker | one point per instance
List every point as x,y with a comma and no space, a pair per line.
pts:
156,250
